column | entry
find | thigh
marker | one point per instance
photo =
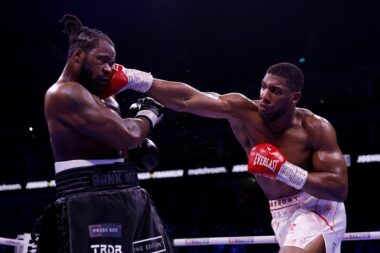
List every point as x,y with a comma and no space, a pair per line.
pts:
315,246
291,249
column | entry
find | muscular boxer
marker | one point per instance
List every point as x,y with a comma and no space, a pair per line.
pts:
100,206
292,152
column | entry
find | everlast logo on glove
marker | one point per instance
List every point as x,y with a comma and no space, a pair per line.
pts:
265,161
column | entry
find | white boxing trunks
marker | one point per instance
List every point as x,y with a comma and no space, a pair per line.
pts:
299,219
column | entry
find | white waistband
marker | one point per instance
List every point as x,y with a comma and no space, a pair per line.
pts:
70,164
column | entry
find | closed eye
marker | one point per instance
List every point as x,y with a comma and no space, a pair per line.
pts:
105,60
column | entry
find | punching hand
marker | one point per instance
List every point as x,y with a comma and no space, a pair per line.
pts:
122,78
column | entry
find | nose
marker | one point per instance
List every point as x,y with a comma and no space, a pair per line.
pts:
264,95
107,69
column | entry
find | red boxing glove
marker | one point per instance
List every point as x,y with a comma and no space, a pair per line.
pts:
122,78
266,160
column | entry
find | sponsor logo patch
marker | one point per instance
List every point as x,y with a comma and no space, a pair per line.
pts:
105,230
106,248
149,245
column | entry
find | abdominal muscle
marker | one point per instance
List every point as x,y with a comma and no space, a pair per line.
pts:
69,145
274,189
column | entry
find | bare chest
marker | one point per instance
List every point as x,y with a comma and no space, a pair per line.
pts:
293,142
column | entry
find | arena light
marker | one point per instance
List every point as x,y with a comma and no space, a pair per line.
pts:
143,175
206,171
372,158
40,184
167,174
347,158
10,187
160,174
302,60
240,168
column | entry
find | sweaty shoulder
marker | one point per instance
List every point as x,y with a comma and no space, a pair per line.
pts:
239,101
317,127
62,94
65,89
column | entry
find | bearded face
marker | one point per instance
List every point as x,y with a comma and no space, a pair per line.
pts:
88,77
96,65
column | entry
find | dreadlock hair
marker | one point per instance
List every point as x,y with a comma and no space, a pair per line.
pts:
292,74
81,36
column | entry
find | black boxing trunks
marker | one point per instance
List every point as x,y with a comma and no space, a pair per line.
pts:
102,209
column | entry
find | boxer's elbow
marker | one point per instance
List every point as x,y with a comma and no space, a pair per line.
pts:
341,189
342,192
126,142
133,134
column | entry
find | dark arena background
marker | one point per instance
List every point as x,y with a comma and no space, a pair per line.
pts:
221,46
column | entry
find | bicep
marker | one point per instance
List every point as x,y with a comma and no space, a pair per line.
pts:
328,161
208,105
85,114
328,177
327,155
181,97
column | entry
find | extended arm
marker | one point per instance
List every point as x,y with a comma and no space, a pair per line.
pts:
175,95
184,98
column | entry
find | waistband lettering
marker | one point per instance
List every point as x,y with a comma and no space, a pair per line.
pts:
109,179
283,202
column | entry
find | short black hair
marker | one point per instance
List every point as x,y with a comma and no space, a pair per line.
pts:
81,36
293,75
